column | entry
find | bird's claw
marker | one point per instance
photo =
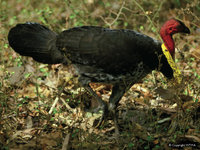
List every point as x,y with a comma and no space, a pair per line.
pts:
107,110
104,110
101,121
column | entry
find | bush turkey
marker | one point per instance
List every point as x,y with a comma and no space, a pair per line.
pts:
120,57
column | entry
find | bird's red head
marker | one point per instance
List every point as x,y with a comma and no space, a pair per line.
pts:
171,27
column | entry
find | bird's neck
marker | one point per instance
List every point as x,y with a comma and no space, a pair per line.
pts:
169,43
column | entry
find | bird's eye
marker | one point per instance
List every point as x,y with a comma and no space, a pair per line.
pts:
179,27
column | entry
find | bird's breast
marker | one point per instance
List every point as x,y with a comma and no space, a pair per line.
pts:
94,74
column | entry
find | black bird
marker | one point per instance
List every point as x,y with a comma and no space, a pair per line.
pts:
119,57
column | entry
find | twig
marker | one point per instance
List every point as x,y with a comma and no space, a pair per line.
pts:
66,142
57,98
160,6
118,14
150,20
54,104
144,12
106,22
193,138
117,17
163,120
154,78
66,105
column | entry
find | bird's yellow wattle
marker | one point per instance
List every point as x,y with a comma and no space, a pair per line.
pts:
176,71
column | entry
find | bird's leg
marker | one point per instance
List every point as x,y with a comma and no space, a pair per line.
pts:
117,93
84,81
100,101
102,106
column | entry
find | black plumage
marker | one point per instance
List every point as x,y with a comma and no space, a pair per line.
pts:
115,52
37,41
119,57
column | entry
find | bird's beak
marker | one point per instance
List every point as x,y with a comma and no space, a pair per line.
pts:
186,30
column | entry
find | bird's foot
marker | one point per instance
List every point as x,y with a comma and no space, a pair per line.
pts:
103,109
116,129
99,108
107,110
113,113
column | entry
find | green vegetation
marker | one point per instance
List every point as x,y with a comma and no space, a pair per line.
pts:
43,107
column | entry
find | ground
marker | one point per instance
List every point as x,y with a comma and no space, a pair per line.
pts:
43,107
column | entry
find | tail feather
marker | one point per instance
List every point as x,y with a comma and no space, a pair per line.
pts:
36,41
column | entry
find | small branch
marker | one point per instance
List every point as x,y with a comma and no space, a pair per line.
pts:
118,14
60,98
150,20
144,12
66,105
54,104
117,17
163,120
106,22
66,142
159,8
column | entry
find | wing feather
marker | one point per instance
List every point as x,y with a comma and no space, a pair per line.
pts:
100,47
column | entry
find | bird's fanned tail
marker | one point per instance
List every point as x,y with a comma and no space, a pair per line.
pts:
36,41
